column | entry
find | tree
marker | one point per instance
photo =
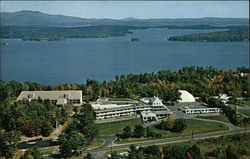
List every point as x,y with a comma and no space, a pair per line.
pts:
175,151
87,123
153,151
171,95
195,152
179,125
135,153
162,125
139,131
32,153
8,143
127,132
151,134
30,118
170,123
71,143
245,121
114,155
89,156
231,153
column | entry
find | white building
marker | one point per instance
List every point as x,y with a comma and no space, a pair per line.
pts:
148,117
107,106
186,96
115,112
154,101
201,110
223,98
58,98
155,106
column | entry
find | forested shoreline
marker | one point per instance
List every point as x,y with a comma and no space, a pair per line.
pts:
199,81
39,33
222,36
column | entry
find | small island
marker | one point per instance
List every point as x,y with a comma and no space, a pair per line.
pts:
222,36
44,39
134,39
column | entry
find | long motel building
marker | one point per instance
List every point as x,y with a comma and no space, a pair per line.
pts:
151,110
201,110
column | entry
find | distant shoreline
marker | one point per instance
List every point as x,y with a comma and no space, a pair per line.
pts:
41,34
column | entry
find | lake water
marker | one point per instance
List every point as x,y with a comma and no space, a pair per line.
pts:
76,60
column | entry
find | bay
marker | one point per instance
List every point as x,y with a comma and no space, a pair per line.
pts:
76,60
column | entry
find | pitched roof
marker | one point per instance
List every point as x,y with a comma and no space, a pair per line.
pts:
51,95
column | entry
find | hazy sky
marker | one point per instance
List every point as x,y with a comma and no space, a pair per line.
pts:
136,9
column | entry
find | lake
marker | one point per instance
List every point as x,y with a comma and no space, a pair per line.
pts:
76,60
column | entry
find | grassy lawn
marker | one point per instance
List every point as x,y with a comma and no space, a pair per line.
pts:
245,103
113,128
219,118
96,143
193,125
244,111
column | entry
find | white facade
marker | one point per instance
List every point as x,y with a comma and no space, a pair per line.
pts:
107,106
58,98
148,117
104,111
154,101
186,96
224,98
202,110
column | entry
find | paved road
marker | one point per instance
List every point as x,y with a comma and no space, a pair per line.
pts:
109,144
103,149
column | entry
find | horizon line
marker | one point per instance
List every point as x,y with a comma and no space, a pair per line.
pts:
122,18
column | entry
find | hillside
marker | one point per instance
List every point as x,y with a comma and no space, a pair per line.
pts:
31,18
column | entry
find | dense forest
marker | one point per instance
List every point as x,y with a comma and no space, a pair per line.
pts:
38,33
199,81
222,36
60,33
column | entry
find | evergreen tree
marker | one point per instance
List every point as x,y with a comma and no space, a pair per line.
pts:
139,131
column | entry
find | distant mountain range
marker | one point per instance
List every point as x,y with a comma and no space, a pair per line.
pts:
35,18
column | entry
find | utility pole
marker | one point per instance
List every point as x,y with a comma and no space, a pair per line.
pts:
56,124
111,146
192,135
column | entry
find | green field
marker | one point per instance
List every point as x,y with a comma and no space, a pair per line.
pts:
96,143
245,103
244,111
197,126
113,128
219,118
